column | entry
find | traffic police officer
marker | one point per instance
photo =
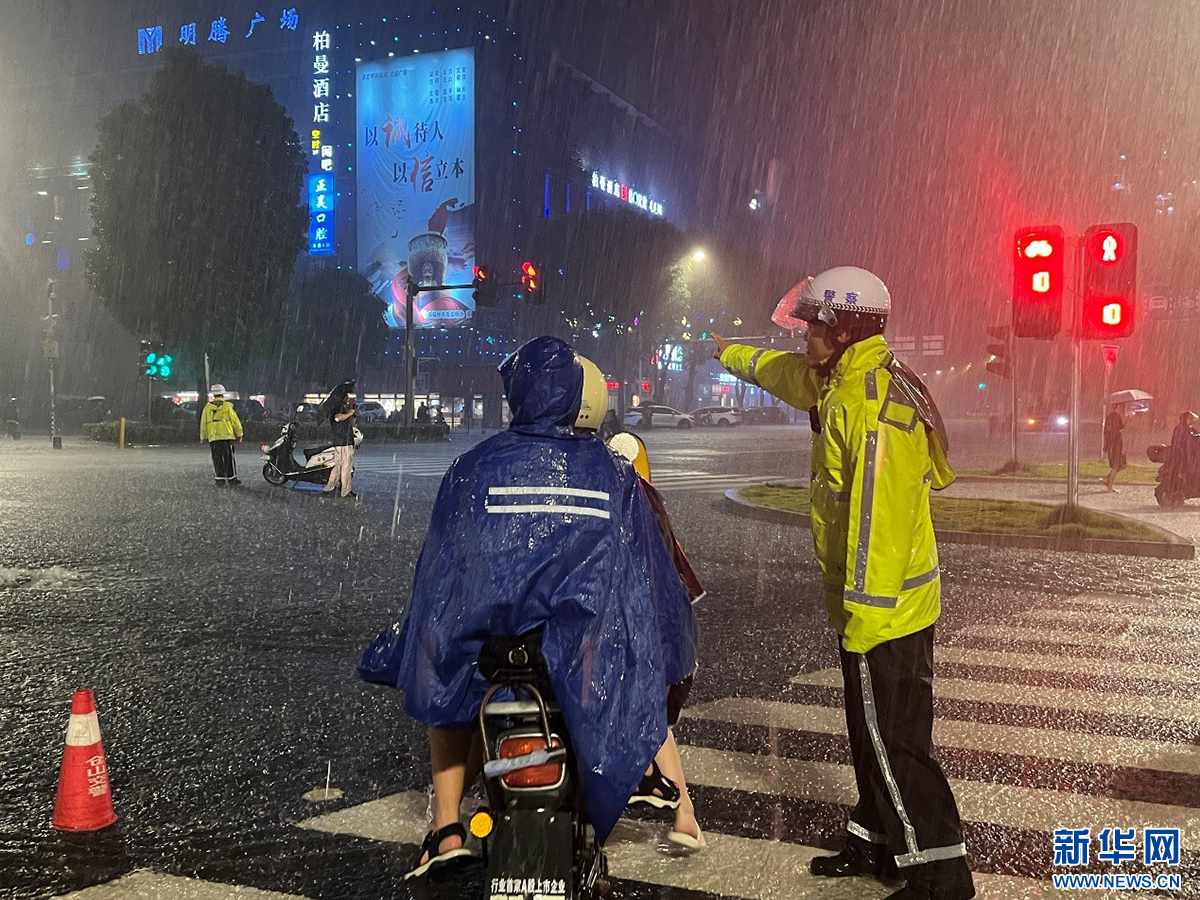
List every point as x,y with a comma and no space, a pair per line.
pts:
878,447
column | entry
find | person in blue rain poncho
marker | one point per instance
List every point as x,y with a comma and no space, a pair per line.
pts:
541,526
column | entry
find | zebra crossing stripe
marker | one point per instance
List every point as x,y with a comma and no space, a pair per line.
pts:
1033,809
1092,701
1176,621
964,735
1126,641
730,866
145,883
1073,665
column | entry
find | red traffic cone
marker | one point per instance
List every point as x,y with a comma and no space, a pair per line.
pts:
84,799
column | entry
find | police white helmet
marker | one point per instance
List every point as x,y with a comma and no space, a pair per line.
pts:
217,390
845,290
594,404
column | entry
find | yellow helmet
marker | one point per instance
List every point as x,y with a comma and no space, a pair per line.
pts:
594,404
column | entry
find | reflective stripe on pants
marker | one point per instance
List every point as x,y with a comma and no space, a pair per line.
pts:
904,799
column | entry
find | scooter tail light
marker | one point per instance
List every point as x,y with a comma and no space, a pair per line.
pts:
546,775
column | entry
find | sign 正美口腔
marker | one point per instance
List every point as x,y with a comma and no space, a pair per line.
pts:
622,191
415,157
320,214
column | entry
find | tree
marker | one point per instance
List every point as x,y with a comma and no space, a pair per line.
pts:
335,327
195,212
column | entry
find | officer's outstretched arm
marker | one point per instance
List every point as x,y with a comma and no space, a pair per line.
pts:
786,375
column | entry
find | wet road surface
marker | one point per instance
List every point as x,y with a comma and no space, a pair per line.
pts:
220,629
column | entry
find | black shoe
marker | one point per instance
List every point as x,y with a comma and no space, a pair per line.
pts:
942,880
852,861
656,790
926,891
235,481
351,495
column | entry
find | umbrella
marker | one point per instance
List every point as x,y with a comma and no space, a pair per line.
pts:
334,401
1128,396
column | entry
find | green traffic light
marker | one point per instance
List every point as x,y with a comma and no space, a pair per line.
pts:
983,385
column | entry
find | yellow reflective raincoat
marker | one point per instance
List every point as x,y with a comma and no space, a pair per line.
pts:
880,449
220,423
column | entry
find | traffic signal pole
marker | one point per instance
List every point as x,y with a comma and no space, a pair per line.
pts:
1076,379
1012,394
410,349
51,358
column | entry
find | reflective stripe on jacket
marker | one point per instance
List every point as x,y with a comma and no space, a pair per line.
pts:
873,464
219,423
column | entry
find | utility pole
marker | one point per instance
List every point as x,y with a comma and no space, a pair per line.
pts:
50,351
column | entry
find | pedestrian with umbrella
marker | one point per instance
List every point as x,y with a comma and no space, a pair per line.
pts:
340,409
1114,427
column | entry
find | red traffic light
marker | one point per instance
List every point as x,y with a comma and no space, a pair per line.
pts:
1109,281
530,277
613,385
1038,272
645,387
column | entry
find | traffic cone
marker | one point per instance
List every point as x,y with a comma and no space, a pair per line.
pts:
84,798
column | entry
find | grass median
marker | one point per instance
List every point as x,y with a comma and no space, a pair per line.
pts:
1095,471
986,516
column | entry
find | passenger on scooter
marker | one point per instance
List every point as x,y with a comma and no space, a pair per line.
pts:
541,527
664,785
1184,449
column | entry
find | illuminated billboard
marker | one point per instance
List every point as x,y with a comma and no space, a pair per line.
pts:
415,161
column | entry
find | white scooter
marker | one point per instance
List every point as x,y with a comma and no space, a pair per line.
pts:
280,465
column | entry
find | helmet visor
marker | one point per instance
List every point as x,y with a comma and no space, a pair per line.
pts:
787,310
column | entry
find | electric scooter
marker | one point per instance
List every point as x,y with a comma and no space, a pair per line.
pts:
1178,474
280,465
538,841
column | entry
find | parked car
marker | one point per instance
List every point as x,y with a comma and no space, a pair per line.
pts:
659,416
249,410
305,412
721,416
765,415
370,411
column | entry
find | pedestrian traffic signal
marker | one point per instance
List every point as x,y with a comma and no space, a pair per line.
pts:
1038,272
154,362
1109,281
1000,352
484,284
531,280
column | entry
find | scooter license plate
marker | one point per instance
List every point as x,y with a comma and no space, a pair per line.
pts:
530,856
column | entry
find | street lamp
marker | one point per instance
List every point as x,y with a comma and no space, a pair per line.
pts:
699,255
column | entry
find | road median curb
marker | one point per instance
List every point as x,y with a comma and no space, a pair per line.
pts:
1172,546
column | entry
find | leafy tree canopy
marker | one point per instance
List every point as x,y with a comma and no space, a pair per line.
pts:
195,210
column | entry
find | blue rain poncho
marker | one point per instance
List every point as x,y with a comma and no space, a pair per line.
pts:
538,527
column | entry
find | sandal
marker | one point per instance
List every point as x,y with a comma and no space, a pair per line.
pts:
436,860
685,840
656,790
